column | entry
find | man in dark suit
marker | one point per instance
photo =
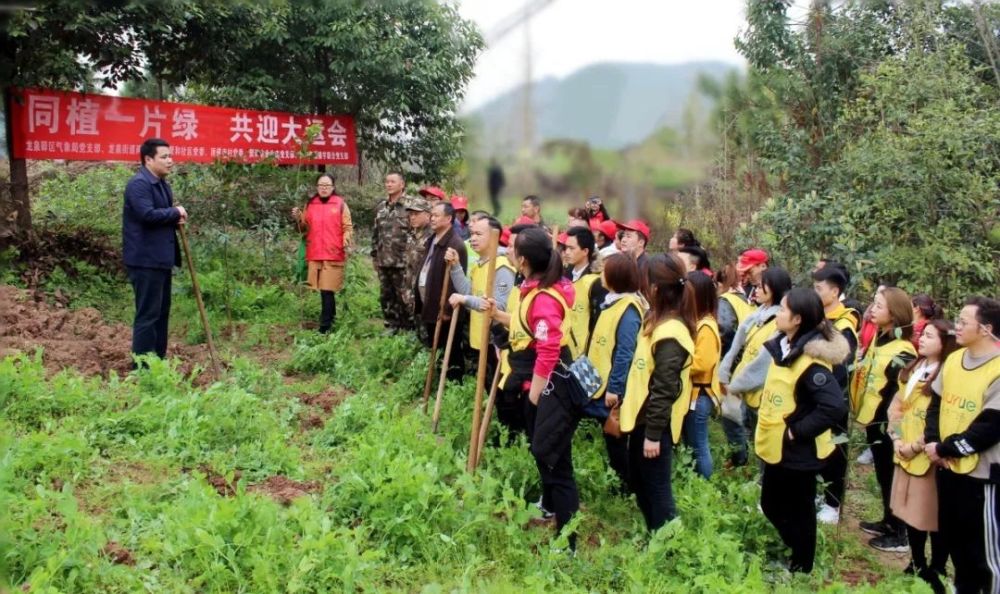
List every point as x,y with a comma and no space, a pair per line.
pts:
150,250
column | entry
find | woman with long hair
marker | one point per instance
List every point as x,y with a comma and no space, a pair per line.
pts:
538,314
801,404
914,488
659,387
705,392
326,223
875,383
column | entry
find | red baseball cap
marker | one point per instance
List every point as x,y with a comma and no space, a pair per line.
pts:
608,228
505,237
751,258
434,191
460,203
636,225
562,238
523,220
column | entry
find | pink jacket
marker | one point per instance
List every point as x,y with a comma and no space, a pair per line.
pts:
544,320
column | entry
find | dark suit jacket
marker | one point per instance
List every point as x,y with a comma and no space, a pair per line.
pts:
435,273
149,223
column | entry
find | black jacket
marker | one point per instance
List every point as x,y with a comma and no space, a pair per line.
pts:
428,310
819,402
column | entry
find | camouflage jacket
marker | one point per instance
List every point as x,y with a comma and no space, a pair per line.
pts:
391,235
416,253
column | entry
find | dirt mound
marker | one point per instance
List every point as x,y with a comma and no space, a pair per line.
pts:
320,406
118,554
284,490
74,338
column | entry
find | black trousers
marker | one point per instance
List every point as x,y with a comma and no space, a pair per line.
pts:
834,474
649,479
328,310
963,520
881,445
918,546
788,499
617,448
151,287
559,491
456,359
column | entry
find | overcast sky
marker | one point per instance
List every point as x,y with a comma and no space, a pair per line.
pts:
569,34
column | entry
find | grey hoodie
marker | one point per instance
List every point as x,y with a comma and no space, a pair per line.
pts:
753,375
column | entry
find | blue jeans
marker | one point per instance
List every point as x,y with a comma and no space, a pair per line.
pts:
696,434
649,479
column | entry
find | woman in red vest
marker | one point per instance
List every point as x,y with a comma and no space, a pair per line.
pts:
326,223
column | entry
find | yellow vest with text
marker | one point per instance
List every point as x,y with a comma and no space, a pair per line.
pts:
756,337
777,404
962,394
643,366
741,307
708,324
477,278
602,344
519,307
580,316
911,427
870,376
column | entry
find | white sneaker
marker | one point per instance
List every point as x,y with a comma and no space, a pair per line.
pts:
828,515
866,457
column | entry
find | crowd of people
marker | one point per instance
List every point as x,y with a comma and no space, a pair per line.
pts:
675,345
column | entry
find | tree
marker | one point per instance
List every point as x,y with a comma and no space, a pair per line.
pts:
400,67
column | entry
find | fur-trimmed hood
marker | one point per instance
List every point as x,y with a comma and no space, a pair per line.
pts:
833,352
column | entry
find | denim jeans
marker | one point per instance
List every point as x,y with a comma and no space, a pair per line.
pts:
649,479
696,434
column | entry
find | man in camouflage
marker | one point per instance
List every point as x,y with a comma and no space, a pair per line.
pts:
390,238
419,211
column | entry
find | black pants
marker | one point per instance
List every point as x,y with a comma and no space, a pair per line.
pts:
617,448
961,521
788,499
881,445
328,310
152,310
918,545
456,359
834,474
649,479
559,491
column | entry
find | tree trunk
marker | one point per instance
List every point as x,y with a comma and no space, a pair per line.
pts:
15,205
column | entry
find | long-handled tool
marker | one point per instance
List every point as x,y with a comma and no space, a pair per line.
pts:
437,331
483,345
444,369
197,298
488,415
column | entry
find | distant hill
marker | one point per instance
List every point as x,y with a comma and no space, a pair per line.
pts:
609,105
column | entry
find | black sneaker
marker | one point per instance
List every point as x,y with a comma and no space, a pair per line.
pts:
880,528
890,543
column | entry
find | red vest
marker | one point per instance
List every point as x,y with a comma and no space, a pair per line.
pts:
325,223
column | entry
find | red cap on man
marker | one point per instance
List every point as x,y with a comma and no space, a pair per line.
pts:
608,228
636,225
460,203
562,239
433,192
751,258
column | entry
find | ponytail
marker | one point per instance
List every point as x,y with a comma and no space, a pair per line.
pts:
544,262
669,293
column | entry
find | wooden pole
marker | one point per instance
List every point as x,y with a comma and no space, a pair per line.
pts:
484,344
444,369
487,416
434,339
197,298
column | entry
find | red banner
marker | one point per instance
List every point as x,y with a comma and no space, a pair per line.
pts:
84,127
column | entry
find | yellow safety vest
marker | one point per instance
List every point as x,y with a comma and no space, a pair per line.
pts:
602,344
911,427
641,371
580,317
870,376
708,324
962,393
756,337
740,306
777,404
520,337
477,278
